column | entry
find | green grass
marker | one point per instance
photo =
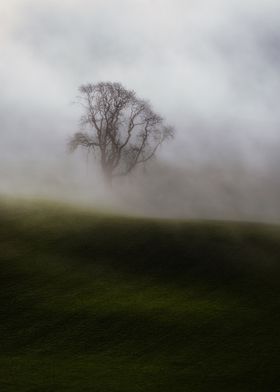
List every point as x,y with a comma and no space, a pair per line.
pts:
91,302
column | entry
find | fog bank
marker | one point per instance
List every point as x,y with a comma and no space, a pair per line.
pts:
210,68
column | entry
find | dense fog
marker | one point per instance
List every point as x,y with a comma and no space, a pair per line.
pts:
210,68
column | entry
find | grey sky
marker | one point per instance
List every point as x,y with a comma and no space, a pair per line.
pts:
211,68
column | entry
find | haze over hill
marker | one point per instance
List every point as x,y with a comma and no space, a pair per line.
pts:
211,68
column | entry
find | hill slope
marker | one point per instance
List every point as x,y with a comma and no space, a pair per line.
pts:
99,303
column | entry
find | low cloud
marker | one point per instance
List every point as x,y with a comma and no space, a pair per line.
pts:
210,68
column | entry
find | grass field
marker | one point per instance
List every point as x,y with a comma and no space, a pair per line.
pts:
100,303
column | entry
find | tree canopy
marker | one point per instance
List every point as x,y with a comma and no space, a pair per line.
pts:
119,128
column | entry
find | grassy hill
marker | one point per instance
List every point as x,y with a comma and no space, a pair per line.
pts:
100,303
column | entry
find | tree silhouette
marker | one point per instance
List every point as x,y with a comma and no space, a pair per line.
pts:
120,129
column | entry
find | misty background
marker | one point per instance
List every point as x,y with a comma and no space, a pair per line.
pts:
210,68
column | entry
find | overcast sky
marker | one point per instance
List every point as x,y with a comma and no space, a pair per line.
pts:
209,67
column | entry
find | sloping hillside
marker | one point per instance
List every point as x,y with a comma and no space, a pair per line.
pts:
91,302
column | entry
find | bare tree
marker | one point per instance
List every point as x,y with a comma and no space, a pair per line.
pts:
120,129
